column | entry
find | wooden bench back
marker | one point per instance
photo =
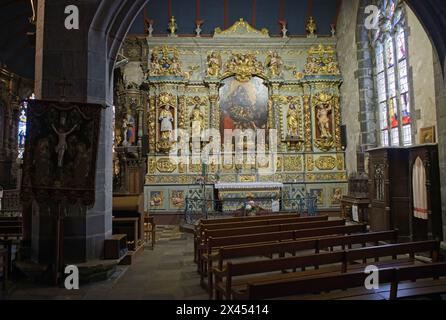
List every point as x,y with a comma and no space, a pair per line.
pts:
311,285
277,289
411,248
255,223
241,219
271,228
364,238
283,236
253,250
270,265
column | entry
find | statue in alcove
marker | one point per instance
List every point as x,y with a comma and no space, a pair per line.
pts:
197,122
293,121
166,119
323,120
274,63
128,129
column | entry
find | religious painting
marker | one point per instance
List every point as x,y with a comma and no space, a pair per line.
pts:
60,151
336,197
427,135
319,194
156,199
244,105
177,199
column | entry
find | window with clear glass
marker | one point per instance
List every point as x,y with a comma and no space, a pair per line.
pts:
392,82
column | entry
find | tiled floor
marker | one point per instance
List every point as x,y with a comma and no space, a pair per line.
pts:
167,272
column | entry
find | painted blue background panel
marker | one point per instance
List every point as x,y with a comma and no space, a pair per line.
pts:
157,10
267,16
184,12
325,14
239,9
213,15
295,15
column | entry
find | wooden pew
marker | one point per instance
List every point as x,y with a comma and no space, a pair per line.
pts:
266,249
228,285
261,229
271,228
216,224
215,243
394,275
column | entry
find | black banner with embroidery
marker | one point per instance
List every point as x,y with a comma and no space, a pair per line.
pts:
61,152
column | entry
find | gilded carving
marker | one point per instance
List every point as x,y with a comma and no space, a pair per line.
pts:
165,61
239,28
326,163
322,61
307,123
340,162
165,166
214,64
152,123
311,27
243,67
274,63
293,163
310,163
152,165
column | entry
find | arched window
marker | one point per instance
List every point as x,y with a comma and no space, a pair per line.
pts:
21,131
391,71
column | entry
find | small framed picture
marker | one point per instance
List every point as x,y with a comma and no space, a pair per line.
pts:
427,135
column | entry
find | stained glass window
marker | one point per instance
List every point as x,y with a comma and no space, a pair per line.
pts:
392,82
21,132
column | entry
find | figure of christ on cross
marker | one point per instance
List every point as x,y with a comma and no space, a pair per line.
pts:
62,144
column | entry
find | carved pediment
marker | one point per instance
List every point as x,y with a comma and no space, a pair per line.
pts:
241,29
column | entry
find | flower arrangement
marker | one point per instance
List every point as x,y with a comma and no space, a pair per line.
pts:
251,208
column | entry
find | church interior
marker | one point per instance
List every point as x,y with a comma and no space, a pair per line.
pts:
222,150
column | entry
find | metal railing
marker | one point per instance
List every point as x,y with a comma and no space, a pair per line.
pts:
196,209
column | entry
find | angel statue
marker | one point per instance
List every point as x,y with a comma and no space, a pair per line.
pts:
214,64
274,63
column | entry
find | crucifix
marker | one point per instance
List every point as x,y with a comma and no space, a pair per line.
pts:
62,85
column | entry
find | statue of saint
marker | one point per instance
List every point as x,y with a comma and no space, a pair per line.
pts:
214,64
129,129
274,64
293,121
166,119
323,119
197,121
62,144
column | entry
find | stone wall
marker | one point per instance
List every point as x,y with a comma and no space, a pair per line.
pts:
347,55
422,70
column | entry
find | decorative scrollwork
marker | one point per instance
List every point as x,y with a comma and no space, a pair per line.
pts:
325,163
243,67
322,61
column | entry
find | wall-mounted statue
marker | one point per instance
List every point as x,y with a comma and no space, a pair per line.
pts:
214,64
274,63
197,121
293,121
128,129
323,120
166,119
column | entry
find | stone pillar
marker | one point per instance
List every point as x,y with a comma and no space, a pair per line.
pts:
440,99
367,99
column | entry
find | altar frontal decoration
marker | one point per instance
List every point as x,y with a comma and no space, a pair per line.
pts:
61,151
